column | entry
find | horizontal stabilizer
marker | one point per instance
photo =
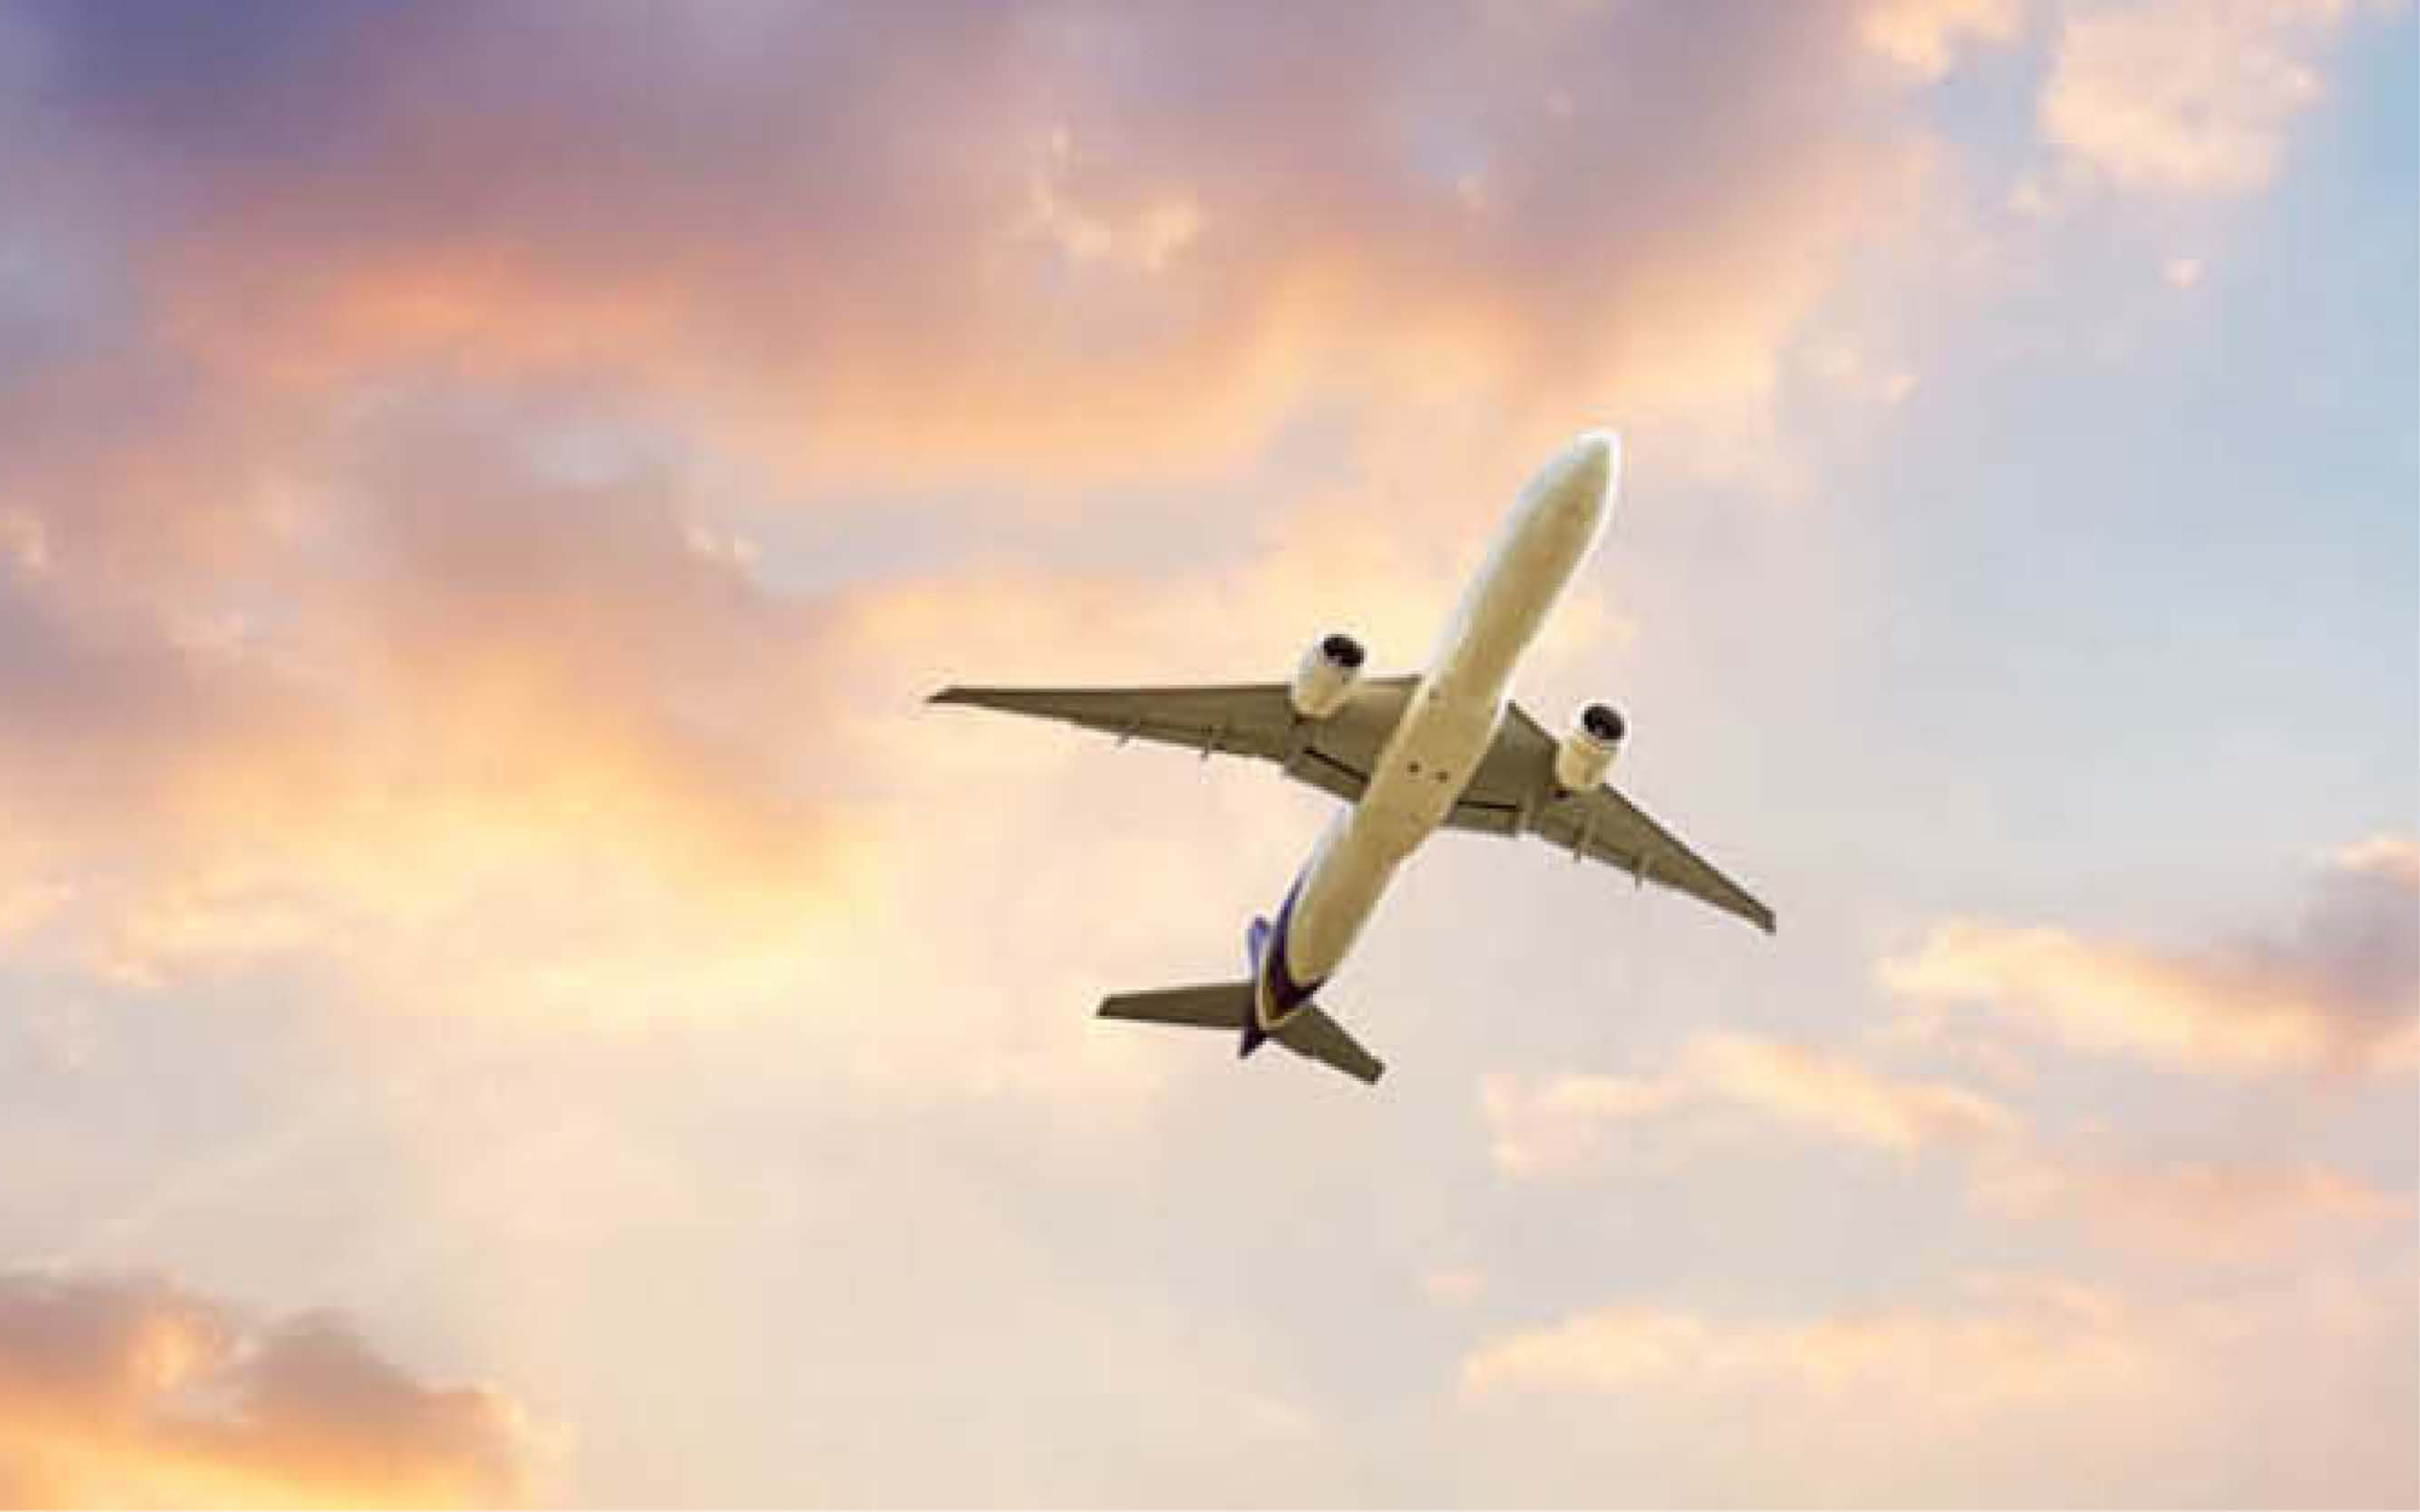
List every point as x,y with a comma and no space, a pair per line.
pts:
1309,1033
1211,1005
1315,1035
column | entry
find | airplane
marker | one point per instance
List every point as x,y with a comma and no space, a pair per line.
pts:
1411,754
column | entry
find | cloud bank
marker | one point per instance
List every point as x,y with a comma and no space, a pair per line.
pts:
117,1392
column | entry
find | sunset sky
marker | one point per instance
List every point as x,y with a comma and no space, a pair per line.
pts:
508,994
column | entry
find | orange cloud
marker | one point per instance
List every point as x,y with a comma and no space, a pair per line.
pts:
2344,993
2032,1389
935,245
2206,1206
1564,1119
126,1392
509,677
514,727
368,592
1836,1096
303,661
2034,1341
2203,1208
540,743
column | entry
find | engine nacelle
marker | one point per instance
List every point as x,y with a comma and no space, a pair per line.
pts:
1325,679
1585,754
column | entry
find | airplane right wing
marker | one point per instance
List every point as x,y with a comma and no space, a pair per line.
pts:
1513,793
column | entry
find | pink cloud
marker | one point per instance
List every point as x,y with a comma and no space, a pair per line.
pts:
120,1392
2340,993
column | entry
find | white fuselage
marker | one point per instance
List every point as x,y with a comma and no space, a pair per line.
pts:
1447,726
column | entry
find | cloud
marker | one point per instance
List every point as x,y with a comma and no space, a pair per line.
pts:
1564,1119
2186,96
466,667
380,578
2044,1341
1453,1285
2392,857
2019,1389
2340,993
1925,35
2203,1208
1074,242
514,724
2208,1206
130,1391
472,549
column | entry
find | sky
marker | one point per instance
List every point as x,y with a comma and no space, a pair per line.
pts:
508,995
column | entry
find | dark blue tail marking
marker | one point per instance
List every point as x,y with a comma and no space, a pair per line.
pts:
1256,946
1272,982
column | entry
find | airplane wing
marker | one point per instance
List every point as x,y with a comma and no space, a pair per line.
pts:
1513,793
1336,754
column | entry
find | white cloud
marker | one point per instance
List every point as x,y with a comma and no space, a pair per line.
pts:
1924,36
2186,96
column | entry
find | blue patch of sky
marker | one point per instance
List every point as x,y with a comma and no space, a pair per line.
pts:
2154,604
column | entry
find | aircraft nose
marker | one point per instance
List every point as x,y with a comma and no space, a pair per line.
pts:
1594,456
1584,473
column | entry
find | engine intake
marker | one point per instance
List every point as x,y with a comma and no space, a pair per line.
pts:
1326,677
1586,753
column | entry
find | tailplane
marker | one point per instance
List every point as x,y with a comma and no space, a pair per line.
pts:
1211,1005
1309,1033
1314,1036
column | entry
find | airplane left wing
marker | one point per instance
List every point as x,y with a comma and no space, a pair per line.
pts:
1336,754
1513,793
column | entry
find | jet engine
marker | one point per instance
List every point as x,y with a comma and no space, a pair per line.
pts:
1326,676
1584,754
